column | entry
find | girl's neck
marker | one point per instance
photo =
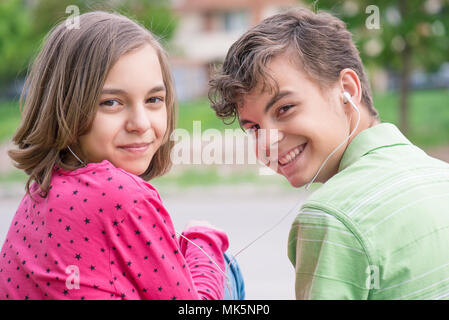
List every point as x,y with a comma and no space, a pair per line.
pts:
71,160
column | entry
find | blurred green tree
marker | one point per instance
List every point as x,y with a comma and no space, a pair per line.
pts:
23,25
155,15
15,45
399,35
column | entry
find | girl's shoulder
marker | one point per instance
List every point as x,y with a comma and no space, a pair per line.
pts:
104,180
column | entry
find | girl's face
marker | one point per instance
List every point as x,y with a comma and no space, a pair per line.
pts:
131,116
309,124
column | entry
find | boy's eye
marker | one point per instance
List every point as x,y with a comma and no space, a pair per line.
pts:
109,103
284,109
253,128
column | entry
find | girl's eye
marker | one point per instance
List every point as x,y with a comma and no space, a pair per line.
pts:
284,109
155,100
109,103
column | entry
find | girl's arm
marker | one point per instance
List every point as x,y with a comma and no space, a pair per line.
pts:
207,276
147,262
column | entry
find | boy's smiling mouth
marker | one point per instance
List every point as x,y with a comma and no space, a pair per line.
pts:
291,155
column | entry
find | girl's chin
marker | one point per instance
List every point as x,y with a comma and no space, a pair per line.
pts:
136,169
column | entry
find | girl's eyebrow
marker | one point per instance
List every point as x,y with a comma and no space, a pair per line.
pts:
123,92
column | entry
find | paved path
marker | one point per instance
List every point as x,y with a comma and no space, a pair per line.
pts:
244,213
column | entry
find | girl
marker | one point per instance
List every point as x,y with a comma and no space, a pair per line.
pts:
98,114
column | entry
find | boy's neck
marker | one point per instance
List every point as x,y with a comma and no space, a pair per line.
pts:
366,121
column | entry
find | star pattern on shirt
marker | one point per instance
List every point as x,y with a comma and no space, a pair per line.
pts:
75,222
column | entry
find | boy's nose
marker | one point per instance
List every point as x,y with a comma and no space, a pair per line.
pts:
268,142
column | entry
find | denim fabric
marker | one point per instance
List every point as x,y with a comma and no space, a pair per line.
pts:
236,288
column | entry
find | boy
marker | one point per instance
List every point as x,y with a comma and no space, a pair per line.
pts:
378,227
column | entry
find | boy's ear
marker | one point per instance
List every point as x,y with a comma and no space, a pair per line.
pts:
350,82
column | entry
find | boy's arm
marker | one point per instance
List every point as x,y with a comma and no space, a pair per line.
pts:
329,260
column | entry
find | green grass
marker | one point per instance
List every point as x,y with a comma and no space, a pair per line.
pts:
9,119
13,176
209,176
428,115
200,110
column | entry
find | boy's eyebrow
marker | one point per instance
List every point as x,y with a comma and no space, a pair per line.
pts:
270,103
243,122
120,91
276,98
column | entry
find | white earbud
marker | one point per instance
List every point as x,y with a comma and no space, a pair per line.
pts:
347,98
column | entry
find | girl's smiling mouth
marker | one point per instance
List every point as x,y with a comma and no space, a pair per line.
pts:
136,147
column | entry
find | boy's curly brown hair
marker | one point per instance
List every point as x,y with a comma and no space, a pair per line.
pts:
320,43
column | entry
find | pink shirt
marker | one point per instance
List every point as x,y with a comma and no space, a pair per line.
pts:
103,233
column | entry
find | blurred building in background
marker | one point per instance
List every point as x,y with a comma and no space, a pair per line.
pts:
206,30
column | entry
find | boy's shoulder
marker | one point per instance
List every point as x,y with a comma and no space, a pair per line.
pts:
379,163
382,183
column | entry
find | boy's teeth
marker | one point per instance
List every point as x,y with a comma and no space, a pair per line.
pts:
291,155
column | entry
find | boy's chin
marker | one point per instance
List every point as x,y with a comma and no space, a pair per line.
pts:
296,184
295,181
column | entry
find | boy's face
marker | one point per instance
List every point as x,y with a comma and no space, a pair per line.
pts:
131,110
311,122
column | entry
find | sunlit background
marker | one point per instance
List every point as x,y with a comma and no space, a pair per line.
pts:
404,45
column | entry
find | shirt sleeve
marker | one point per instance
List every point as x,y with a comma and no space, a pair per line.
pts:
148,263
329,260
205,259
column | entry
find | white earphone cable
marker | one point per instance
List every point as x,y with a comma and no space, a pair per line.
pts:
227,281
348,98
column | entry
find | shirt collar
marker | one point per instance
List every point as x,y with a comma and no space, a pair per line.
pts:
380,136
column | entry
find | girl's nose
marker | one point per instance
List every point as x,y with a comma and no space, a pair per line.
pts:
138,119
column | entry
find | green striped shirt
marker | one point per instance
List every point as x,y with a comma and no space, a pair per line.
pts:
379,228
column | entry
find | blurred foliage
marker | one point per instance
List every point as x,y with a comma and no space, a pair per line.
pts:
23,25
15,42
421,25
155,15
200,110
399,35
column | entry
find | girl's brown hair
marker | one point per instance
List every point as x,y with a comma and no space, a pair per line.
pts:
319,42
62,89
